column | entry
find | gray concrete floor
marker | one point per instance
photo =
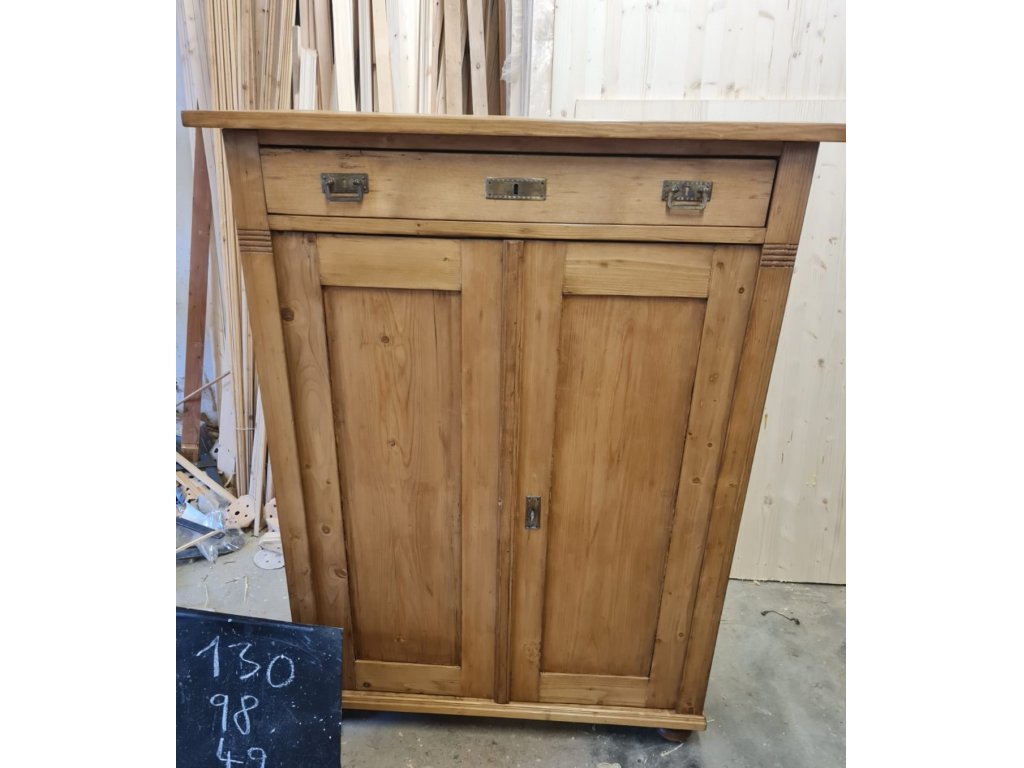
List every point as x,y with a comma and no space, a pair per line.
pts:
776,697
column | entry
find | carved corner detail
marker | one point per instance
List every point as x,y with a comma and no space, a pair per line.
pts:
254,240
778,255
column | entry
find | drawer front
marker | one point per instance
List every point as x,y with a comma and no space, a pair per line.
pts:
579,190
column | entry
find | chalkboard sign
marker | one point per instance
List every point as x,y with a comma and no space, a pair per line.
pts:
254,693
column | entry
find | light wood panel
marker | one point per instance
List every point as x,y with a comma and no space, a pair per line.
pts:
636,269
538,310
525,230
481,369
406,678
396,371
616,467
733,276
515,710
593,689
509,126
390,262
599,190
305,345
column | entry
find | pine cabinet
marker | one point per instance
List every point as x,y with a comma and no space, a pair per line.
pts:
513,372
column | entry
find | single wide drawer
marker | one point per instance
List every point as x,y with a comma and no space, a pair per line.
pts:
578,189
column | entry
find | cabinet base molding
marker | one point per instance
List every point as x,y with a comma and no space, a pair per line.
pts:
515,710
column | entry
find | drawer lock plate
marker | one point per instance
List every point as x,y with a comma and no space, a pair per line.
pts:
533,512
686,195
515,188
344,187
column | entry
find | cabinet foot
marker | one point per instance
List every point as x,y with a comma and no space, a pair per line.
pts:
674,734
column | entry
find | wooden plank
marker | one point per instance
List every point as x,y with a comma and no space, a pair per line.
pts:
365,56
205,479
494,44
407,678
540,56
621,690
580,190
477,55
513,313
198,280
305,345
565,713
344,50
734,272
543,266
454,30
265,315
324,51
481,406
615,470
396,376
185,481
524,230
390,262
382,57
514,126
636,269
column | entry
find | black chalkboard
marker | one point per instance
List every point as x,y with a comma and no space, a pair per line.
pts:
254,693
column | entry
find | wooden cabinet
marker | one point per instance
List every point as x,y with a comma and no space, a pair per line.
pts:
511,436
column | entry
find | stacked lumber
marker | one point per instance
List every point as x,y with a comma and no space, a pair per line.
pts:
411,56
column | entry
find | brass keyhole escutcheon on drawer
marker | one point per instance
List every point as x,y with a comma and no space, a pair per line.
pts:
515,188
686,195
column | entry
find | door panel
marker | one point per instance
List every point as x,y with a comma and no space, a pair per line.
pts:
395,366
631,367
401,336
626,369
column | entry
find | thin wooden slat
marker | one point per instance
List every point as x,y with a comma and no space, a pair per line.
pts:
513,312
324,52
396,377
525,230
435,72
258,468
511,126
305,345
344,48
198,280
265,312
481,345
205,479
565,713
391,262
543,265
399,677
382,57
636,269
734,272
477,55
454,30
620,690
365,37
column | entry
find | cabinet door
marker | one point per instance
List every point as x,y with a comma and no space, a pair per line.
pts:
393,367
625,359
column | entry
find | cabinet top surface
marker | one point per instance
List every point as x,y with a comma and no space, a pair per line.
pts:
449,125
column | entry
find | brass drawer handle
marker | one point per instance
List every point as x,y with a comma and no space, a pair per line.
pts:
344,187
686,195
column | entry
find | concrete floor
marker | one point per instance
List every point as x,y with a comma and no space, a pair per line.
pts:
776,697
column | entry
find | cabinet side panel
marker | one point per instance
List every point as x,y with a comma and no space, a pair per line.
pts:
625,376
396,377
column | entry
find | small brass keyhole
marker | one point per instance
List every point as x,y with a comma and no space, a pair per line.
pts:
515,189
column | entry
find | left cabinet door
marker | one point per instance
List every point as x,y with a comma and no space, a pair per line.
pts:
392,354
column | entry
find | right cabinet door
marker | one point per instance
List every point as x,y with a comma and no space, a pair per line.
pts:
622,362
